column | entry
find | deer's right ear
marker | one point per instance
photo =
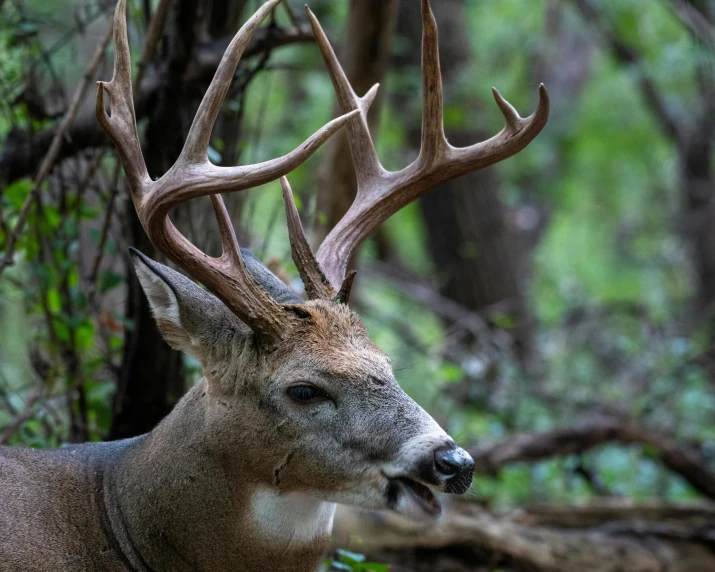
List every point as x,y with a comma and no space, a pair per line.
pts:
190,319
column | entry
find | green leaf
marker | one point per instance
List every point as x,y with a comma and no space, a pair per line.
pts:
87,212
17,192
109,280
651,452
374,567
350,557
341,566
84,335
54,302
504,321
61,330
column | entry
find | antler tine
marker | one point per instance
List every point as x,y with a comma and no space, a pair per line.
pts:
367,165
518,132
255,306
315,282
122,126
381,193
230,250
212,178
197,142
434,143
227,277
193,176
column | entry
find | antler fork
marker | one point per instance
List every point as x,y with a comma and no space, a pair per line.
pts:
381,193
194,176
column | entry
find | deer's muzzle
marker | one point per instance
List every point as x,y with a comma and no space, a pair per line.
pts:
440,465
455,467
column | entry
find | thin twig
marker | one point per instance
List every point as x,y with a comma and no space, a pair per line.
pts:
627,54
695,20
53,151
92,280
12,427
291,14
152,40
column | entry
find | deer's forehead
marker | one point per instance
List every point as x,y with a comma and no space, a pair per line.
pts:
351,359
335,343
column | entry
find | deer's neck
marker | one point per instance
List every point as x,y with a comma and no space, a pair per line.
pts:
173,505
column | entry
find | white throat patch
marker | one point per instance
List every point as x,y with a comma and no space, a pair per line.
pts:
292,517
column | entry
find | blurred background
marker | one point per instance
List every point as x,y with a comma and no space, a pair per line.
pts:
555,312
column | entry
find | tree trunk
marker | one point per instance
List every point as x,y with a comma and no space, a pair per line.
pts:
151,378
697,182
475,250
603,537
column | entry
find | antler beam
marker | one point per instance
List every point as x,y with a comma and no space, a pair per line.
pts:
381,193
194,176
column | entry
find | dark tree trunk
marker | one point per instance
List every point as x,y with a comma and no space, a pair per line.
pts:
697,182
476,253
151,378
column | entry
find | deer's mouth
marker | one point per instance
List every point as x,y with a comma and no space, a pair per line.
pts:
414,495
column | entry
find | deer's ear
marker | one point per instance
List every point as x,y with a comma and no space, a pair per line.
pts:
190,319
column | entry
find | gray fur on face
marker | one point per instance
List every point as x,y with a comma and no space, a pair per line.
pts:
365,424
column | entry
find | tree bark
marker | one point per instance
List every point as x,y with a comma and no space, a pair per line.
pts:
151,378
697,181
598,538
474,248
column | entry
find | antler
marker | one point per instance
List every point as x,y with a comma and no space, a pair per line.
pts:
381,193
194,176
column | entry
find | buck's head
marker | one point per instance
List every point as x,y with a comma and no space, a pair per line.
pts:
301,380
316,411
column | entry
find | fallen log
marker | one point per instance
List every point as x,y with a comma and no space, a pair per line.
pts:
598,430
595,538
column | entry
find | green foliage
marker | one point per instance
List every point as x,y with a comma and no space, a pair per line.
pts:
352,562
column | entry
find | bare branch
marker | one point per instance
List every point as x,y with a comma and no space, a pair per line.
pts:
52,153
21,155
583,436
630,56
14,425
696,22
156,27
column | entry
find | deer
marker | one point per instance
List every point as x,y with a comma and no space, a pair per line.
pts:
297,409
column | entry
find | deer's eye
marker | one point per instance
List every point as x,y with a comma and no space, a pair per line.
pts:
305,394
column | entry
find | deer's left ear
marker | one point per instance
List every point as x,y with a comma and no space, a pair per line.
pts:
189,318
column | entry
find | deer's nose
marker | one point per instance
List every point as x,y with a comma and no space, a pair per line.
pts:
455,466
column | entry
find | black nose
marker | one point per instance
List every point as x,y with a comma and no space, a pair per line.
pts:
456,466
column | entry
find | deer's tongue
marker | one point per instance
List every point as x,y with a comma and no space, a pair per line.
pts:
420,495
